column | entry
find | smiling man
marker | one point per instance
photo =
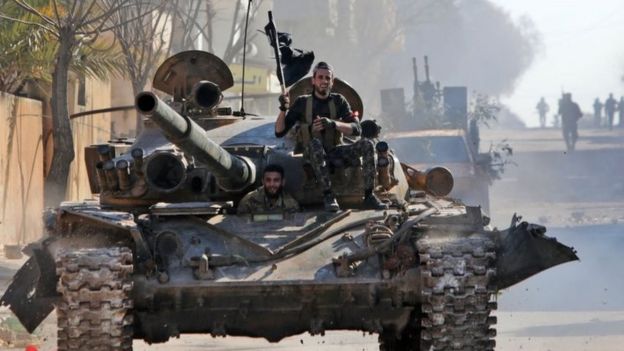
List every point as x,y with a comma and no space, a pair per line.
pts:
270,197
323,118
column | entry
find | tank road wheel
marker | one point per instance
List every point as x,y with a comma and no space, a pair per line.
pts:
94,312
457,293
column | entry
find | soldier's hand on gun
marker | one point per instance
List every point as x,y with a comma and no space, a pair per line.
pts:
321,123
284,101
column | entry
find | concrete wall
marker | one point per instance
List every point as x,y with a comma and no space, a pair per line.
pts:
123,123
22,157
21,169
87,130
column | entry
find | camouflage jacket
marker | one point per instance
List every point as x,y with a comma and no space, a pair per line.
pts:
257,202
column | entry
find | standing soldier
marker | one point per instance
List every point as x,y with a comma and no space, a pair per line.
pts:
570,114
542,108
621,112
557,116
324,117
610,105
597,113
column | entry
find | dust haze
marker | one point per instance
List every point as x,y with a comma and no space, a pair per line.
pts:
371,43
578,196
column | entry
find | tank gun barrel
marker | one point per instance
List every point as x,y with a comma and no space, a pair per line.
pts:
232,173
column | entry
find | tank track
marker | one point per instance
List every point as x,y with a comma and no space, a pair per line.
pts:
94,312
457,293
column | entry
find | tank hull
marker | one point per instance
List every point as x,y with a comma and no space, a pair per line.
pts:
272,311
302,280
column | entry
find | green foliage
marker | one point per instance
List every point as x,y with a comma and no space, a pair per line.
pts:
483,109
495,161
98,60
28,51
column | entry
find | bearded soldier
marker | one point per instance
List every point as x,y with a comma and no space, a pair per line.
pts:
270,197
324,117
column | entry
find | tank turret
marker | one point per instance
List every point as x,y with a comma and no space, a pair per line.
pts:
232,172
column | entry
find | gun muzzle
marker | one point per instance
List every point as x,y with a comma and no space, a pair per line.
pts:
232,173
437,181
206,94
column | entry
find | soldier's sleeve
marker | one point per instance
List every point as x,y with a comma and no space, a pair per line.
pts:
345,114
290,204
293,114
244,206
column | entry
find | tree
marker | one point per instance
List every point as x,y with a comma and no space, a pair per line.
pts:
25,54
140,32
236,41
74,25
189,26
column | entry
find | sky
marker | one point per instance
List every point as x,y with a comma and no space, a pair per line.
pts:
582,52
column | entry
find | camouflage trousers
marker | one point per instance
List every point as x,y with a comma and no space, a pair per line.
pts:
346,155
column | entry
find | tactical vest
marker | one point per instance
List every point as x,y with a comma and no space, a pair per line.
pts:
331,136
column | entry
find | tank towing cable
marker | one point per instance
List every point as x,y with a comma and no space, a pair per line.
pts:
399,236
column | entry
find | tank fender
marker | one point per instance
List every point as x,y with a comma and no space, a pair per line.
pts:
32,292
524,250
122,221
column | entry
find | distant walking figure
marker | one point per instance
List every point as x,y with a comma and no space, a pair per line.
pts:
570,114
597,113
621,112
610,105
542,108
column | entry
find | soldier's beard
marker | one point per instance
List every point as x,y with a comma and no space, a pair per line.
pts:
322,92
274,195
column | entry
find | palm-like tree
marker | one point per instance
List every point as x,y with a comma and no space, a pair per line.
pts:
73,30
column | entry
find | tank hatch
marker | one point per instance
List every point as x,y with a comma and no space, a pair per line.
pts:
304,86
180,72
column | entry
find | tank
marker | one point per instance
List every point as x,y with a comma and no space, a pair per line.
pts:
162,251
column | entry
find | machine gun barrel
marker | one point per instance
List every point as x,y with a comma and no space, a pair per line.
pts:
232,173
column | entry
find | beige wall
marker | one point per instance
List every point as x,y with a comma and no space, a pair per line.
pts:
123,123
87,130
21,169
22,154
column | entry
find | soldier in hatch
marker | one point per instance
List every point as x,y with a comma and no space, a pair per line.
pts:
270,197
324,117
